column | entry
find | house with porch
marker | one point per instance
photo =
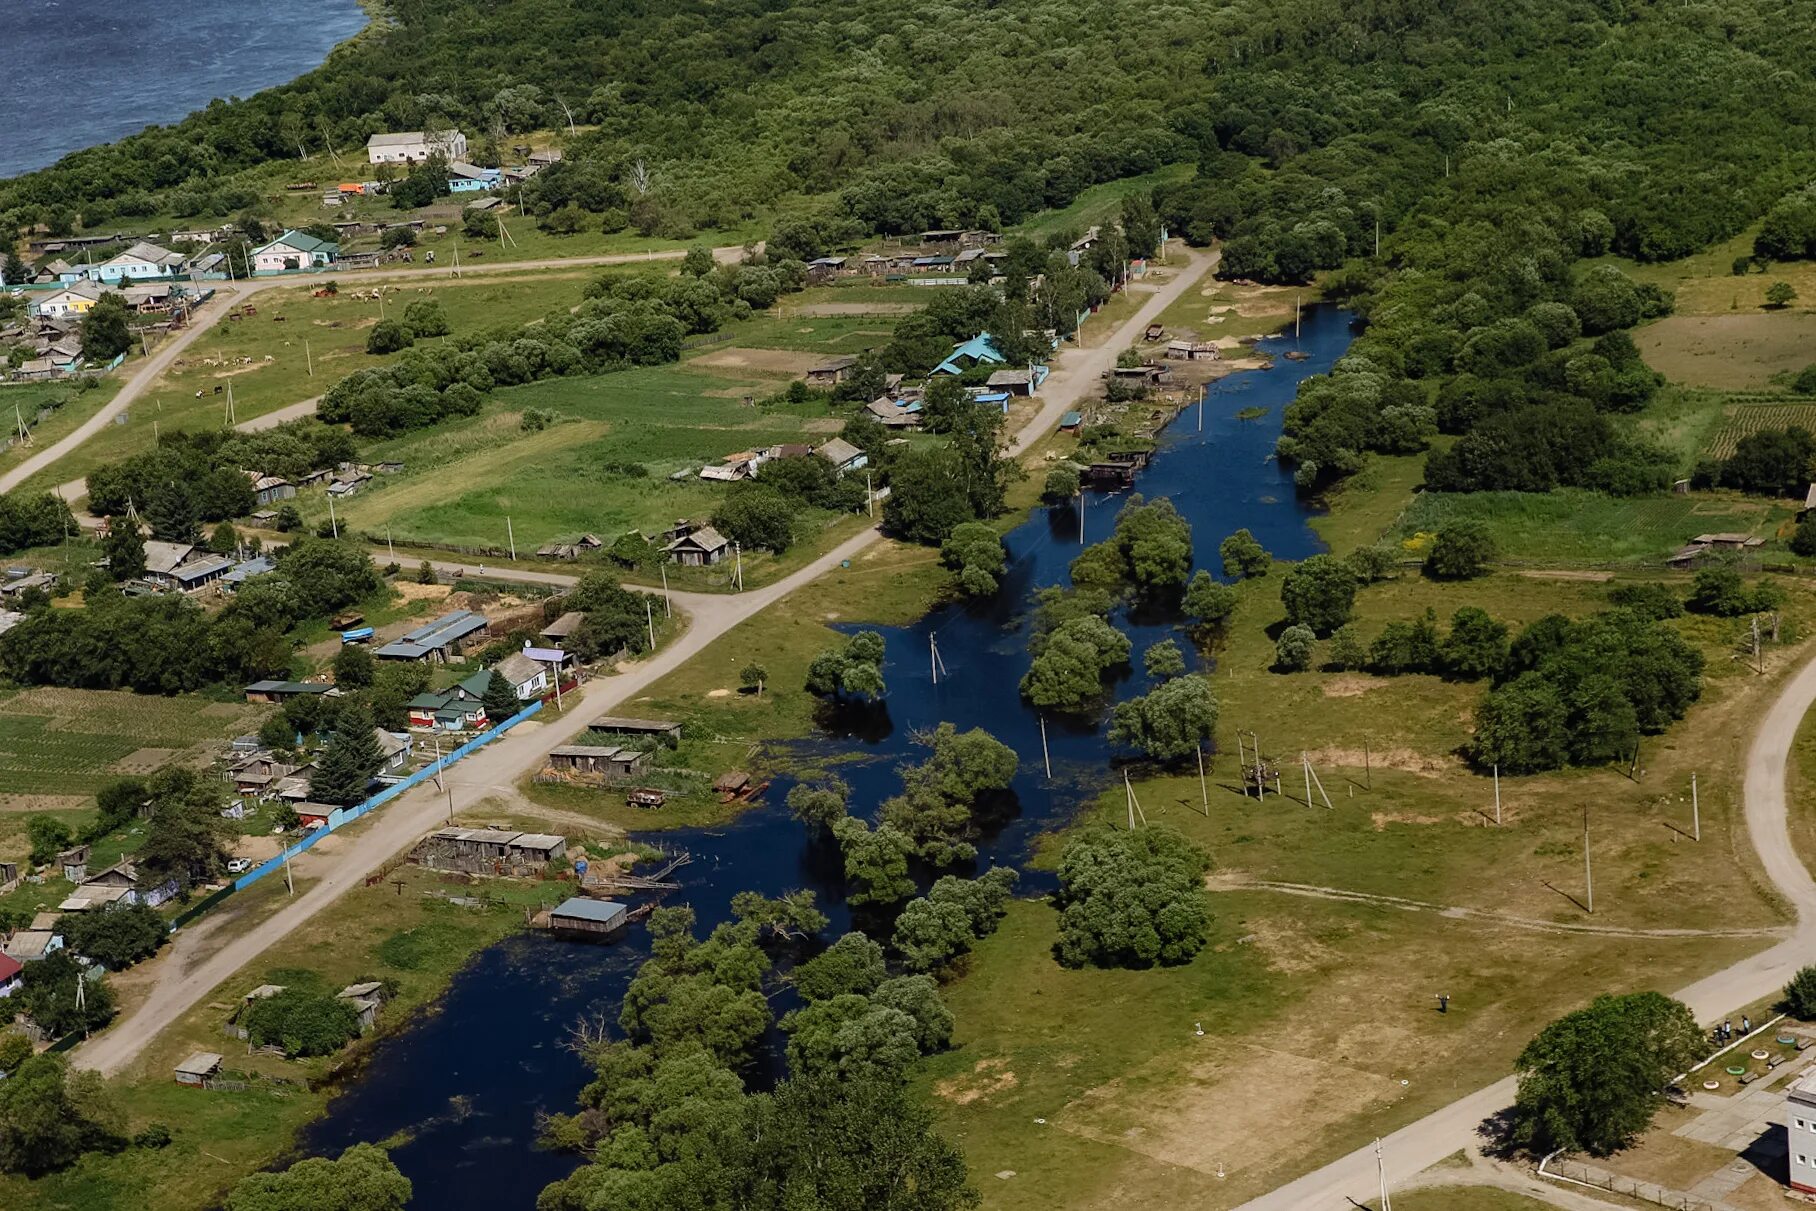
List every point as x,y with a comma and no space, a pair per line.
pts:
294,250
701,548
140,262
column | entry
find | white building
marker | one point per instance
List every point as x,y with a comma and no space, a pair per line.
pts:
1800,1131
414,146
138,263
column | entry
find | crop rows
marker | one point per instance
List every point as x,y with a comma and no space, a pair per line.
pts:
1741,420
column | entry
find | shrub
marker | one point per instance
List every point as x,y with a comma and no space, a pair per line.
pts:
1461,552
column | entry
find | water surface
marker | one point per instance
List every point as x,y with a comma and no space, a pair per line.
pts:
82,72
468,1081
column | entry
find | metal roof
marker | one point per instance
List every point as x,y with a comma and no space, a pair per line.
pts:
602,912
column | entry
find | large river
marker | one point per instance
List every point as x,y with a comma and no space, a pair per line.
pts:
82,72
464,1084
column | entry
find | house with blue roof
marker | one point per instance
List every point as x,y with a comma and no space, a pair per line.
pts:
470,178
979,350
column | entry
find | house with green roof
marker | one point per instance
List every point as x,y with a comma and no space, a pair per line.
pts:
455,709
294,250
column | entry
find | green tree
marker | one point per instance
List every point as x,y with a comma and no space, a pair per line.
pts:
1799,996
1719,591
425,573
117,938
757,517
1068,668
1131,899
854,669
752,676
363,1178
819,805
1318,593
1461,551
851,1037
1156,544
1476,647
1593,1079
48,836
426,317
1208,600
353,667
1062,483
918,996
49,996
124,549
1163,660
1522,727
930,935
185,835
349,761
1346,650
389,336
50,1116
1780,295
876,862
105,333
1243,556
500,699
15,1049
1169,723
698,262
1293,650
975,551
853,964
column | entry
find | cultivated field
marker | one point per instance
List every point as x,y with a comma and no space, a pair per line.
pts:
1740,420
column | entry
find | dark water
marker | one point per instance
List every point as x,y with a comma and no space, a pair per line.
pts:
469,1080
82,72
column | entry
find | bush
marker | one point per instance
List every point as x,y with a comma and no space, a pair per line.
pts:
117,937
1318,594
388,336
1462,551
1800,995
302,1023
1293,650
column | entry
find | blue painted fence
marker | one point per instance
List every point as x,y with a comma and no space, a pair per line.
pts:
347,815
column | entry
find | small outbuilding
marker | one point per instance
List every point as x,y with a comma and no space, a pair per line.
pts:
590,918
701,549
199,1069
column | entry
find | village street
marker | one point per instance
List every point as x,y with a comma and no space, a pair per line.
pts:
193,965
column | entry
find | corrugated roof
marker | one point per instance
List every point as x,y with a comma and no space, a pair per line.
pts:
602,912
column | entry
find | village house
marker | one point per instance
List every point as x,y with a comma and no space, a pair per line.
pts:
470,178
270,488
29,945
457,708
256,774
842,455
366,999
441,640
700,549
895,414
587,918
1017,382
25,581
294,250
528,678
831,372
72,300
9,876
414,146
979,350
557,633
125,878
138,263
394,749
568,550
12,975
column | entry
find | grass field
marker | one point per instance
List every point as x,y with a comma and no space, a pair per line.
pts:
1099,203
50,411
1747,351
1225,311
1572,527
461,480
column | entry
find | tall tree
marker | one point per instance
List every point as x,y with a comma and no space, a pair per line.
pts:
349,761
363,1178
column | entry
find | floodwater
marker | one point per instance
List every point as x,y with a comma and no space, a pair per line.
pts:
467,1082
83,72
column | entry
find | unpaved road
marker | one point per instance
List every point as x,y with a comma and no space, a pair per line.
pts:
186,972
234,293
1346,1183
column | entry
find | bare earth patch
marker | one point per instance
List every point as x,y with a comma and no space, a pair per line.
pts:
1742,350
42,803
987,1079
1350,686
1410,760
720,693
778,362
144,761
1567,574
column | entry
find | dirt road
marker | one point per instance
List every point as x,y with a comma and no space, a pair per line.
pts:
234,293
187,972
1434,1137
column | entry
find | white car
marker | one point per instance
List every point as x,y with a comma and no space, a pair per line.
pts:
239,866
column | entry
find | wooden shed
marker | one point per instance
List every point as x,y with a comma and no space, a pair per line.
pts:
588,918
199,1069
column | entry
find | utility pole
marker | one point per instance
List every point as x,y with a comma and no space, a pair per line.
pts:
438,760
1368,778
308,360
649,620
1497,794
668,608
333,523
933,659
737,550
388,544
1204,791
1381,1171
289,881
1082,502
1588,869
1242,763
1135,811
1295,315
510,536
870,495
1045,757
1202,388
1695,811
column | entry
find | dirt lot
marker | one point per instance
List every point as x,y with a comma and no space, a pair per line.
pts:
781,363
1733,352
